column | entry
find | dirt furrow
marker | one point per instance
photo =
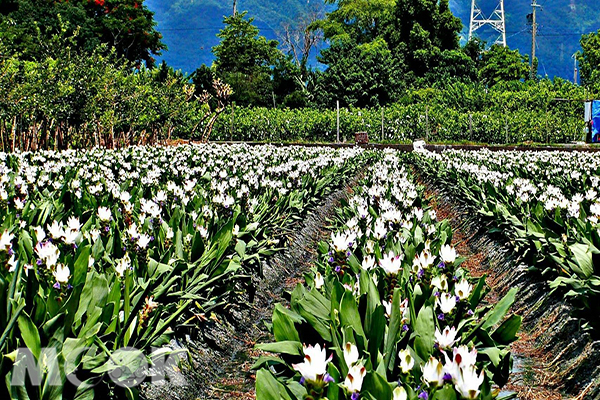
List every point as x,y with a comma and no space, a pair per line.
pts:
550,348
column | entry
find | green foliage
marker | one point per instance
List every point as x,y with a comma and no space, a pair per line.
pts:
359,75
126,25
75,99
589,60
143,259
373,305
243,59
554,234
500,65
507,113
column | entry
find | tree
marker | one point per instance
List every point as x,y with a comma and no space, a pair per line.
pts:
360,75
420,31
501,64
589,60
244,60
359,20
126,25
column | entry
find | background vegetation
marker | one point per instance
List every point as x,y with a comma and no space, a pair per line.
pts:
82,73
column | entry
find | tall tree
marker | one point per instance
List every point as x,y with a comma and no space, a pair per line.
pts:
421,30
244,60
501,64
360,75
126,25
589,60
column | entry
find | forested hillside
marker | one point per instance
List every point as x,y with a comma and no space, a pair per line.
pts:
189,26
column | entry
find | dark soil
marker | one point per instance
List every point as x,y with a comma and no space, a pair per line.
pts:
222,350
554,357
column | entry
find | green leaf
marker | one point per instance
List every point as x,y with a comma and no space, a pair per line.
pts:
30,334
500,310
507,332
377,386
425,330
583,258
349,315
285,347
447,393
283,325
268,388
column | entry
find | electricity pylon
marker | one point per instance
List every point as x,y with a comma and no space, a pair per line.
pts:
496,21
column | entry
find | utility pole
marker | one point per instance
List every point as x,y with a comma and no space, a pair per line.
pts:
534,5
234,7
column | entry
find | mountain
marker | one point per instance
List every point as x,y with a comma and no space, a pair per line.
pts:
189,26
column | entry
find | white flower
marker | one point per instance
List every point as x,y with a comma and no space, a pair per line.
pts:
315,363
463,289
426,259
143,241
368,263
448,254
13,264
370,247
122,265
433,372
39,233
399,393
440,282
62,273
48,253
354,379
70,236
56,230
446,338
73,224
169,234
319,281
463,357
391,263
19,204
350,354
406,361
388,307
341,241
6,240
104,214
468,382
94,234
446,302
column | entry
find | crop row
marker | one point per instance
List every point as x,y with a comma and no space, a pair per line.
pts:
388,313
400,123
547,204
103,250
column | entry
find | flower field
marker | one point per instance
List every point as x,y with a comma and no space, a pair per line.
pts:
546,204
388,313
103,250
108,256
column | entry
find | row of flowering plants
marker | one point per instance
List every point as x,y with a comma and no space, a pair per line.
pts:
388,312
546,204
106,250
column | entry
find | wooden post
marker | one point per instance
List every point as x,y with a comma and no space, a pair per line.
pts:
231,128
547,132
427,123
338,121
382,123
471,126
